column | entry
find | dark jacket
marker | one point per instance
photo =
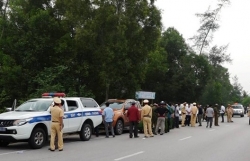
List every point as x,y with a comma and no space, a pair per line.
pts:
133,113
200,111
161,111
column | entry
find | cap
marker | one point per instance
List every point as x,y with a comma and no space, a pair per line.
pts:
57,100
162,103
194,103
133,103
145,101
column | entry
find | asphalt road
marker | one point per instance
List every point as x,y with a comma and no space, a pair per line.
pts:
228,142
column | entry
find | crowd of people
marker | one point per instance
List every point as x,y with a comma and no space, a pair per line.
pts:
167,116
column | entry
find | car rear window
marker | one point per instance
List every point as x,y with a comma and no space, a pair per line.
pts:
113,105
236,107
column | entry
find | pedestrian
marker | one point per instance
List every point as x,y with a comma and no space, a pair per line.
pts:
222,112
200,113
194,111
56,124
161,113
188,115
172,115
154,116
169,116
56,138
146,115
176,115
108,115
210,115
216,111
134,118
183,114
229,113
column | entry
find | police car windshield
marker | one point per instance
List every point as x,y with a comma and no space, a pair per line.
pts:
113,105
34,105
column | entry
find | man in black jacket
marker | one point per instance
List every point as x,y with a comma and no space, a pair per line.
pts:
161,113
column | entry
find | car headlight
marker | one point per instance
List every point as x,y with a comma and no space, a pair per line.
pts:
21,122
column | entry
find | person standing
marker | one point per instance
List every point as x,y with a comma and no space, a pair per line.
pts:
200,113
169,116
210,115
146,115
176,115
108,115
161,113
154,116
56,138
229,113
56,124
183,114
188,115
134,118
222,112
194,111
216,111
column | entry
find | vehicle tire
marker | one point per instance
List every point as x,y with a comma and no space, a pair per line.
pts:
3,143
37,138
249,121
232,115
242,116
86,132
119,127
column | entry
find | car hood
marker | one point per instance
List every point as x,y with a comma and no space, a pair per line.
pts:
13,115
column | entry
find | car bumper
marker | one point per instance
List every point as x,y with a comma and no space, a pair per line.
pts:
15,133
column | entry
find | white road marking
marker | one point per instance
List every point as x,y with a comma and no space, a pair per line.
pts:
19,152
185,138
212,130
131,155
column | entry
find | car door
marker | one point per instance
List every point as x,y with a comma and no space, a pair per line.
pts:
74,115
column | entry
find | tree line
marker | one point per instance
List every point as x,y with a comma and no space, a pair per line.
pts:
108,49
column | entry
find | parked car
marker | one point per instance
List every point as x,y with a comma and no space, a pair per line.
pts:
238,109
120,107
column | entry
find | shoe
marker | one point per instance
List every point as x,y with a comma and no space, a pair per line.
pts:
155,133
210,126
145,136
113,136
161,134
152,136
107,136
97,135
137,136
206,126
51,149
200,125
130,136
60,149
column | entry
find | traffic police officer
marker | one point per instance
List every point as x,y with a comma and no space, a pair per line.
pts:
146,115
216,111
56,124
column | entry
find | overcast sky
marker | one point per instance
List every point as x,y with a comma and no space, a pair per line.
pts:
234,29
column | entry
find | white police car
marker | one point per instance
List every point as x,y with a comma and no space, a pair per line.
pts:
30,122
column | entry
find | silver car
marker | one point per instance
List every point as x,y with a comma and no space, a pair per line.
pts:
238,109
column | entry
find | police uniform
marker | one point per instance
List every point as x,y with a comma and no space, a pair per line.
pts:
194,111
183,114
146,115
56,125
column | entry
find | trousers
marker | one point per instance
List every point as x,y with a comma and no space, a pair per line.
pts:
183,119
193,120
210,120
160,122
147,126
133,128
108,125
55,130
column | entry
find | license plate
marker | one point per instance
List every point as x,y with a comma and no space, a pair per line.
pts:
2,129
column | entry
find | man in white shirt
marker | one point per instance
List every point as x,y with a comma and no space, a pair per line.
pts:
222,112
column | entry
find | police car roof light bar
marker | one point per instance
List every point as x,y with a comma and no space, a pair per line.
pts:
53,94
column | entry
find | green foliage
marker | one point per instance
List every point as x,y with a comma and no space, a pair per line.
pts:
104,49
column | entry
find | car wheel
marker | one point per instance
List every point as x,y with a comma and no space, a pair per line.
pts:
86,132
37,138
119,127
3,143
242,116
232,115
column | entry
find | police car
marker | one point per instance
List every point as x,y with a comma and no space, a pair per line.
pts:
31,121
